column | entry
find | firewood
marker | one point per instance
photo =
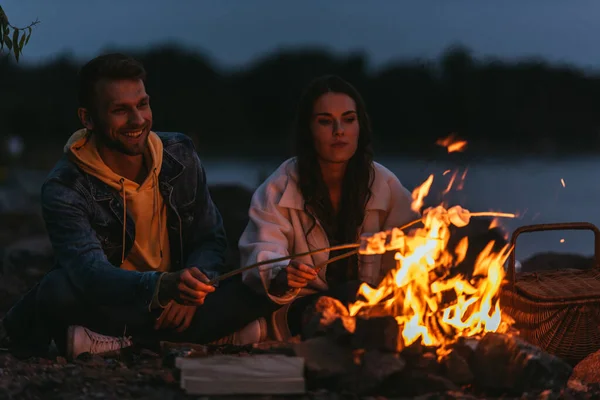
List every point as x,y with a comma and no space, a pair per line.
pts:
248,375
508,364
379,333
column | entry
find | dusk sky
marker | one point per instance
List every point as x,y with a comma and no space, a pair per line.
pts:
235,32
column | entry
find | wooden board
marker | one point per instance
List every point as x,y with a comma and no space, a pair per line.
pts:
228,374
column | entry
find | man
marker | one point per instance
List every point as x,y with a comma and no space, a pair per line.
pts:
135,233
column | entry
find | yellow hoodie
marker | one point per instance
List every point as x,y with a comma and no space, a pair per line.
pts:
144,203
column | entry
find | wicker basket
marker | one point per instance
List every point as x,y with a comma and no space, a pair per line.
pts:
557,310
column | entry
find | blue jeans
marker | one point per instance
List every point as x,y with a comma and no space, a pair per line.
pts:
46,311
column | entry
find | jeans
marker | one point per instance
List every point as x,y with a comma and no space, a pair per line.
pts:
47,310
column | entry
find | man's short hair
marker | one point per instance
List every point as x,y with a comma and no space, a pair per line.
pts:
113,66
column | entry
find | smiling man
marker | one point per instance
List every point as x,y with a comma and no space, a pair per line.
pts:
135,233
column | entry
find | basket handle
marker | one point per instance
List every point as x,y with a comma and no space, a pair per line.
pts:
511,272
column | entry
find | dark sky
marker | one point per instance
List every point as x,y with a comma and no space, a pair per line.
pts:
234,32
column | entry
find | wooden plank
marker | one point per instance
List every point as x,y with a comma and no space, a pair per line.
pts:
229,374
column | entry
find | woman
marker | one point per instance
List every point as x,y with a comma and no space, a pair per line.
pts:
328,194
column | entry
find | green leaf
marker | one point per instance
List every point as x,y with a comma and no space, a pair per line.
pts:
7,42
28,36
22,42
3,17
15,41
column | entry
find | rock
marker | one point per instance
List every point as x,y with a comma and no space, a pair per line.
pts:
375,367
18,225
465,347
324,359
507,364
412,383
588,370
457,369
16,200
30,259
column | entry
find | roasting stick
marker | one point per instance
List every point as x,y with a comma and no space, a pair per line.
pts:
475,214
258,264
336,258
308,253
340,247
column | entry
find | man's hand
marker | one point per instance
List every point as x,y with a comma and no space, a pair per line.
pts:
175,316
295,275
188,287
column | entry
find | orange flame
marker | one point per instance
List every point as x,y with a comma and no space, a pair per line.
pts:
418,290
452,144
452,179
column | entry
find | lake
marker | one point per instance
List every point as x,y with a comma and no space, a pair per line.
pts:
531,189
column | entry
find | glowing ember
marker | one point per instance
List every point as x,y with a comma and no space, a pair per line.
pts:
452,144
428,297
562,182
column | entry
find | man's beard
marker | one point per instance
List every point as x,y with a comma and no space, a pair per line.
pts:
114,144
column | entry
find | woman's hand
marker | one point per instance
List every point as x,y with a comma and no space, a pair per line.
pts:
296,275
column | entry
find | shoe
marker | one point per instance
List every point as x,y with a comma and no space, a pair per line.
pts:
82,340
254,332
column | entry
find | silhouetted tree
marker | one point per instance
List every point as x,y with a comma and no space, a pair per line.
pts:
500,108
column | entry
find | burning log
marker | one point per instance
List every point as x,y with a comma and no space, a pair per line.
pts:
330,318
458,369
507,364
378,333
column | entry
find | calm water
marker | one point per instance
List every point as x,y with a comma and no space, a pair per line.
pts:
531,189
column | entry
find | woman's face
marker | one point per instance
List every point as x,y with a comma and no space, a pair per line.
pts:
334,126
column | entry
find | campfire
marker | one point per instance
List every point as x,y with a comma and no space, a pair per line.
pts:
434,324
433,300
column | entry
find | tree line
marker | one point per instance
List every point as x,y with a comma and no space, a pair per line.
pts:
503,109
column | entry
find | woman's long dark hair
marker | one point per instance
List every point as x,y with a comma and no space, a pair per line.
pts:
356,187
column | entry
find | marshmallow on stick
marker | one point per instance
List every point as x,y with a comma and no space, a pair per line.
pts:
393,239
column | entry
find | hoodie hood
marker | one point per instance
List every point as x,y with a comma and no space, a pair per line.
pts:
82,146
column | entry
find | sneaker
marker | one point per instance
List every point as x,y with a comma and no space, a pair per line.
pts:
254,332
82,340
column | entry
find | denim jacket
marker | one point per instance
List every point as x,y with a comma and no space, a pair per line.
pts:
84,220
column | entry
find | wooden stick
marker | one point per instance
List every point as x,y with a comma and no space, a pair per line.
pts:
336,258
340,247
308,253
258,264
